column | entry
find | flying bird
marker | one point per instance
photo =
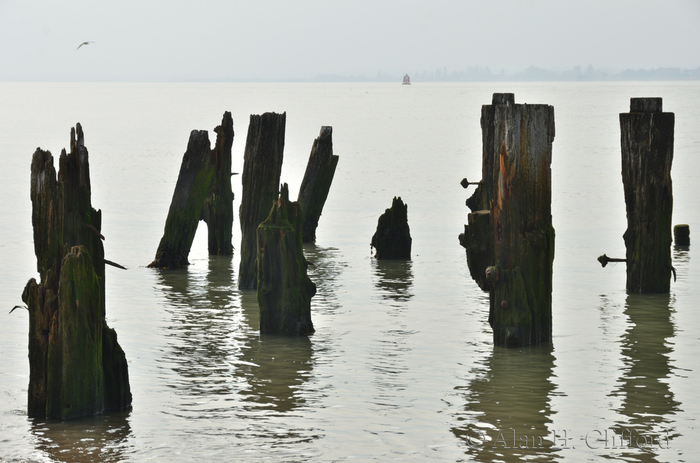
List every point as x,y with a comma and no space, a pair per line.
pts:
18,307
84,43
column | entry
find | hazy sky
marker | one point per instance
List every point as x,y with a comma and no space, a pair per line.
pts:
298,39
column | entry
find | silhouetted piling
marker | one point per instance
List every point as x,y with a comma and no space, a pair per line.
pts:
317,182
647,154
509,237
681,235
262,167
392,240
202,192
76,366
284,288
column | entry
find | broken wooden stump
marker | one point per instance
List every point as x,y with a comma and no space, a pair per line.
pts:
76,366
647,154
681,235
202,192
262,167
509,237
392,240
316,183
284,288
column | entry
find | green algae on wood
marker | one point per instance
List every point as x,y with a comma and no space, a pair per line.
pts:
284,288
317,182
70,374
647,153
262,168
509,238
392,239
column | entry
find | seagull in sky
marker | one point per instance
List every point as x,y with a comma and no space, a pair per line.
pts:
84,43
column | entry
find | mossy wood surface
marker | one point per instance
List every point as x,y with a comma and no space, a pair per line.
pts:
392,239
647,153
70,374
284,289
509,237
262,167
317,183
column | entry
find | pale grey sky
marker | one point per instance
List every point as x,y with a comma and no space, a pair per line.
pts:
175,40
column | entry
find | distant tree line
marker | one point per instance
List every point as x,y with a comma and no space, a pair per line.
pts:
531,74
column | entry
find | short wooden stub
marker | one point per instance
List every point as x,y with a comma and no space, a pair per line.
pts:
509,237
284,288
316,183
647,154
76,366
392,240
262,167
681,235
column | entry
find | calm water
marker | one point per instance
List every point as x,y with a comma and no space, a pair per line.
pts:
401,366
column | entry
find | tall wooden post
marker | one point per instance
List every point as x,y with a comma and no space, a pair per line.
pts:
647,154
218,207
76,366
262,168
284,288
317,182
509,237
191,189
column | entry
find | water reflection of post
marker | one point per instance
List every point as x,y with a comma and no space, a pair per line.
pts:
508,408
98,438
394,279
275,366
202,329
325,270
647,399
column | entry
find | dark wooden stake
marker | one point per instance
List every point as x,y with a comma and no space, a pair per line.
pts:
284,288
392,240
202,192
509,237
317,182
262,168
647,154
76,366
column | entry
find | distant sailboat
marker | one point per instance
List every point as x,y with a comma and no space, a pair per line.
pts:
406,80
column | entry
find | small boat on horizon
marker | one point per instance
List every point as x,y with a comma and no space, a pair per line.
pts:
406,80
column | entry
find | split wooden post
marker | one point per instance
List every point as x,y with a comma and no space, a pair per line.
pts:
509,237
262,168
202,192
284,288
76,366
317,182
647,154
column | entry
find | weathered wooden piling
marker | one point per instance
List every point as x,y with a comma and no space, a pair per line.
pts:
284,288
509,237
317,182
262,168
647,154
392,240
681,235
202,192
76,366
218,206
